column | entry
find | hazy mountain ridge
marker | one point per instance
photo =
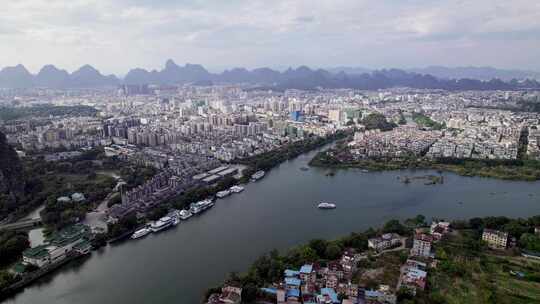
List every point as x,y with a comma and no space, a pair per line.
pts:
481,73
305,78
51,77
300,78
472,72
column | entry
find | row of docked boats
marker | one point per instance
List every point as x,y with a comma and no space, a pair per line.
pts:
174,217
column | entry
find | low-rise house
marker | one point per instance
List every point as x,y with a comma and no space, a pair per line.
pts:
70,236
348,289
335,268
413,275
382,295
293,296
309,299
385,241
64,199
291,273
292,283
307,273
332,281
71,240
77,197
308,288
229,295
42,255
348,262
439,229
495,239
281,296
328,296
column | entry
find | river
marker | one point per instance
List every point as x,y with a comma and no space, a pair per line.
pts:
176,266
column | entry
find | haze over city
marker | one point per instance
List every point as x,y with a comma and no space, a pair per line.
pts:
270,152
115,36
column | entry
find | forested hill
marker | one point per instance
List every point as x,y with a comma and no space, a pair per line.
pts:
11,177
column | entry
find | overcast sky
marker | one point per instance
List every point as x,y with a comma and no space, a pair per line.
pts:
116,35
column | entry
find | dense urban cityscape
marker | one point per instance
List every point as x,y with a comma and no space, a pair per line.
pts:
213,137
260,152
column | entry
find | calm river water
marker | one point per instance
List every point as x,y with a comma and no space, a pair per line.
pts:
176,266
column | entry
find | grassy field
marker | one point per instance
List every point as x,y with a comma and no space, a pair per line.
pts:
485,277
383,269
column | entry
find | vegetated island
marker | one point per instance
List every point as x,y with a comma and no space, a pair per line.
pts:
481,260
339,157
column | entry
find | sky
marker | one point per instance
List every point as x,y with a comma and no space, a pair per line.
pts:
117,35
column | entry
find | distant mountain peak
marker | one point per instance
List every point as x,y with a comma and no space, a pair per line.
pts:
19,68
87,69
49,67
170,64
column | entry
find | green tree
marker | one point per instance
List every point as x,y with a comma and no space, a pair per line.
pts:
319,246
394,226
308,254
530,241
12,244
333,251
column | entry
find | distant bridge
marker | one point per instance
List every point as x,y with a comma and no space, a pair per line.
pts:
22,224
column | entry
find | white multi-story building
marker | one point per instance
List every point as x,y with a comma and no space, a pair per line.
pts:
496,239
385,241
422,245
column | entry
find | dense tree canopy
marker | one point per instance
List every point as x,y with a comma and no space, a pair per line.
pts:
377,121
12,244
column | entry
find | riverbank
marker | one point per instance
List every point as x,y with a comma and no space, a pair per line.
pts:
27,279
125,227
279,211
268,160
519,170
264,161
455,270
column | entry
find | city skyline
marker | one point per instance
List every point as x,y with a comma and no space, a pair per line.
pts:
117,36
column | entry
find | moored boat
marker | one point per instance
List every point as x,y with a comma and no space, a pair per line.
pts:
140,233
236,189
326,206
200,206
161,224
222,194
257,175
185,214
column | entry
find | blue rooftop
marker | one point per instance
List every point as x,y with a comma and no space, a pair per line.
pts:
331,293
372,293
293,293
291,273
269,290
292,281
306,268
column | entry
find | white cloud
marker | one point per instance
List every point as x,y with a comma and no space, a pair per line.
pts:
117,35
